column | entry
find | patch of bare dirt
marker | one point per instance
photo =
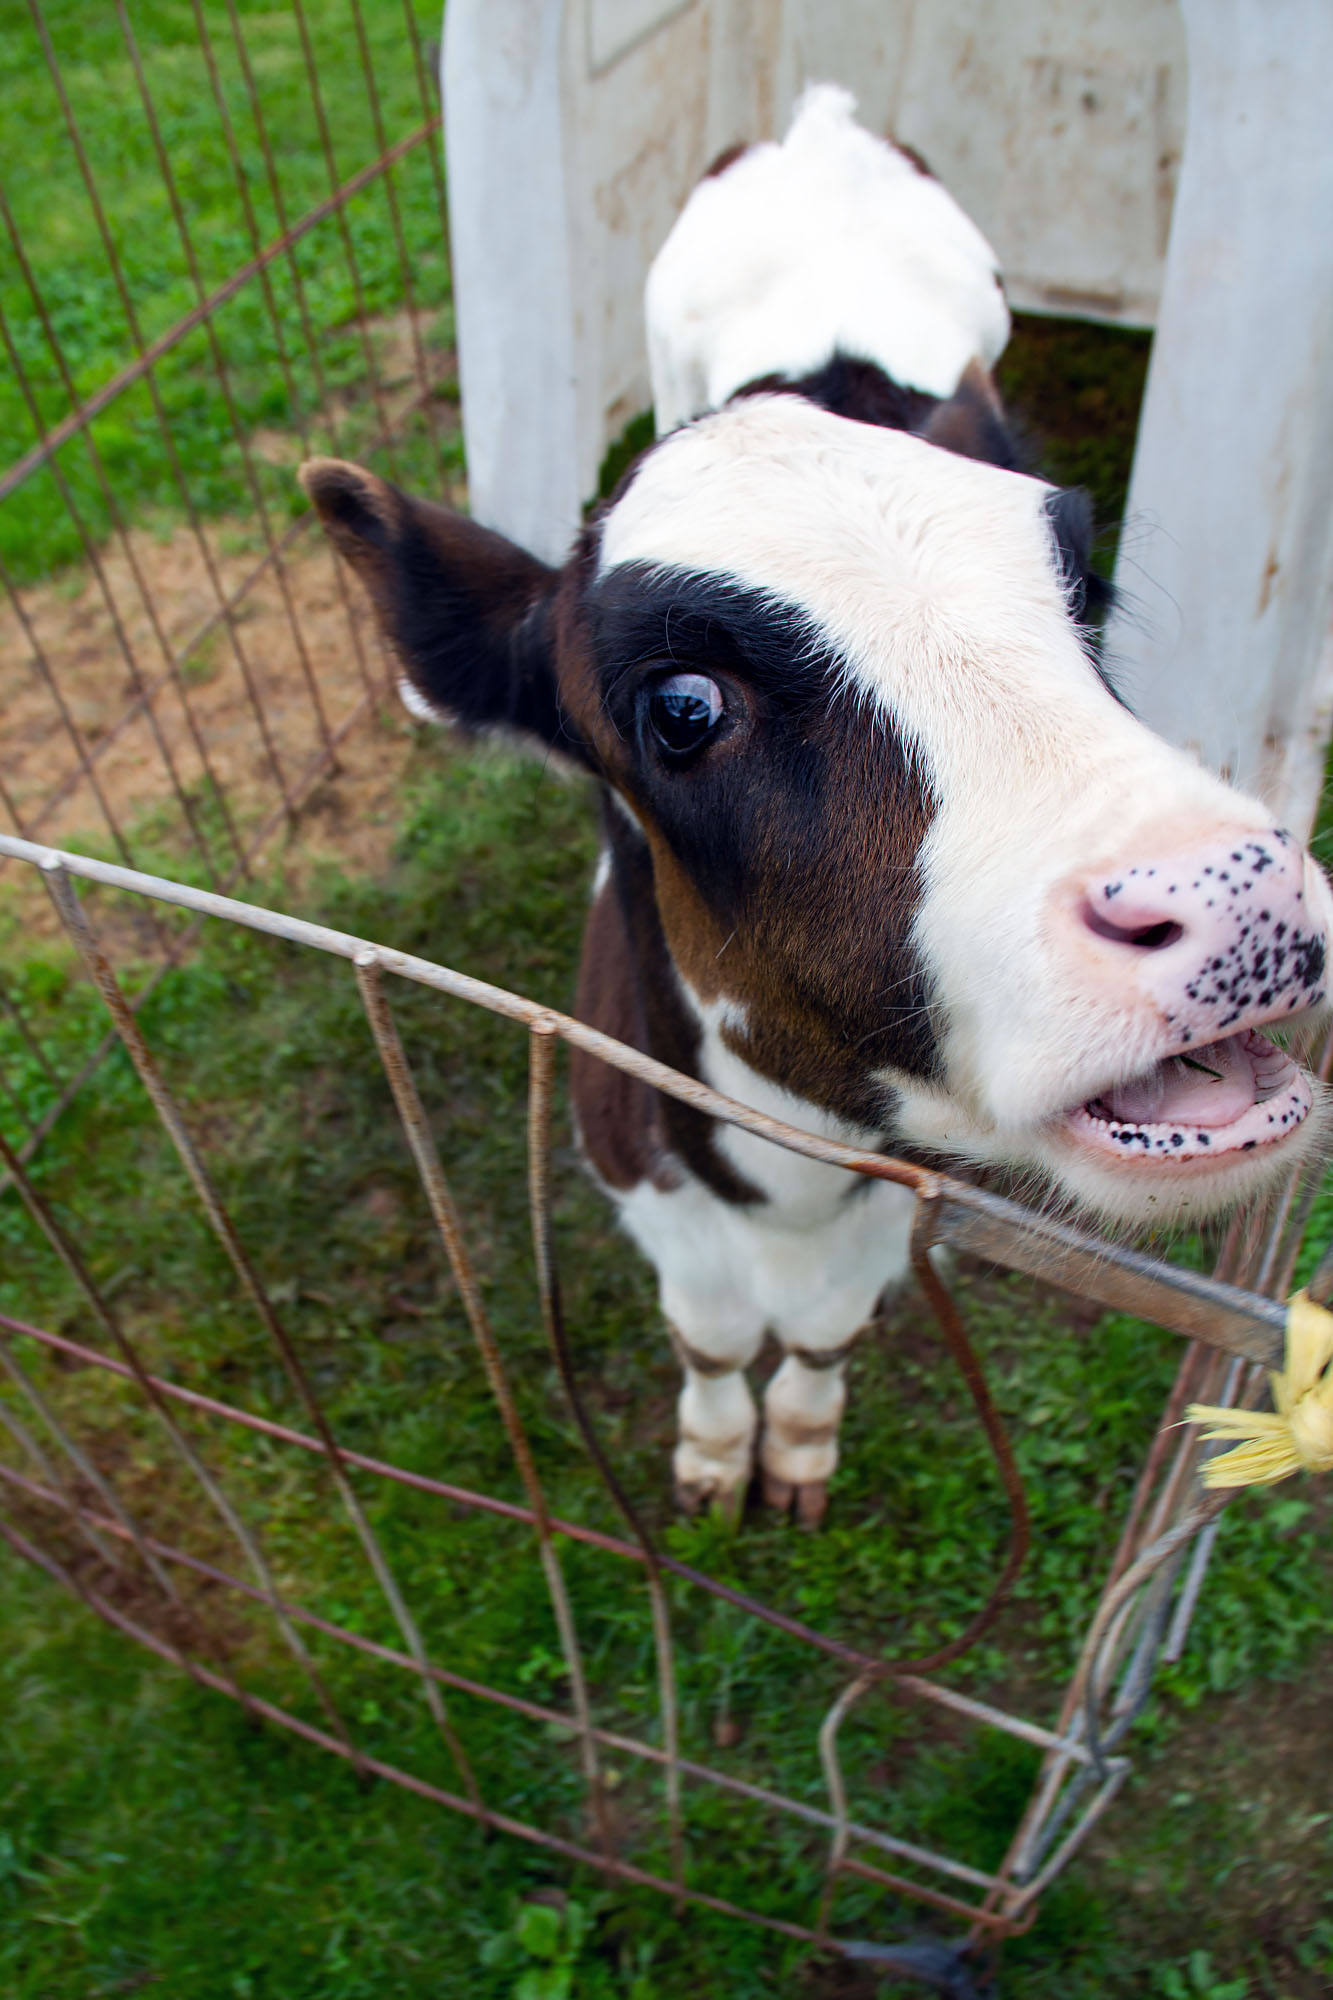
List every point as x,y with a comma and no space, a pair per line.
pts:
193,675
69,680
93,756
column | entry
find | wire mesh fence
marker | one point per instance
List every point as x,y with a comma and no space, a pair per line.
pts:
63,1511
227,248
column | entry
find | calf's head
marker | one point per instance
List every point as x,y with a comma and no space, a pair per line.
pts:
911,857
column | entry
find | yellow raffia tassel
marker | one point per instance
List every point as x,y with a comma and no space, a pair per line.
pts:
1298,1435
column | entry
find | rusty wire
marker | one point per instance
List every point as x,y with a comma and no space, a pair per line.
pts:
92,556
62,1491
62,708
141,369
542,1049
1158,1570
444,1214
69,1255
206,811
534,1711
242,184
151,352
396,223
344,232
70,911
612,1865
313,773
223,375
149,377
910,1685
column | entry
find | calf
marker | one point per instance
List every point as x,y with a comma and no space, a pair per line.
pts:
884,856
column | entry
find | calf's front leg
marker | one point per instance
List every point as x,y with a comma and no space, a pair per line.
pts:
803,1408
717,1416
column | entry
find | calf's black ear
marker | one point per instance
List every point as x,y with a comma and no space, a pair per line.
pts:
1069,510
469,614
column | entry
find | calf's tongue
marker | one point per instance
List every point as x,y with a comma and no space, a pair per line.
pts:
1211,1086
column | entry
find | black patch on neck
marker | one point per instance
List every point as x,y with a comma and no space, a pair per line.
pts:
970,422
858,390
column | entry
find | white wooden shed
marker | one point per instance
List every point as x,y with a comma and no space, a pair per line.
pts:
1151,162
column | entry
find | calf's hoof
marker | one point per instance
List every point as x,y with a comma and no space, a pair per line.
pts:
806,1500
725,1499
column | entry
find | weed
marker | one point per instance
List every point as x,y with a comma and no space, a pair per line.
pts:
1194,1979
546,1953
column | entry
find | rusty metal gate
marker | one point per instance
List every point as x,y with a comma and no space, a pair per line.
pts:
1150,1591
215,809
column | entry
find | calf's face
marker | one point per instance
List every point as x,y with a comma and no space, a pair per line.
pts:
912,858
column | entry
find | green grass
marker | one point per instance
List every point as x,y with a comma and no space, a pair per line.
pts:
320,1888
58,228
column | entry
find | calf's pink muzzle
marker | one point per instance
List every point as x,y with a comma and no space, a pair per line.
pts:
1220,940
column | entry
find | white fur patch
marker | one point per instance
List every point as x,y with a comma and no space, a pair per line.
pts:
416,704
728,1273
832,240
809,1263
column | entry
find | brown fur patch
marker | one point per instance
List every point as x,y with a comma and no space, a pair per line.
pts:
819,960
619,1119
726,158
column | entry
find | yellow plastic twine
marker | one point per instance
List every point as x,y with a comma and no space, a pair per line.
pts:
1297,1435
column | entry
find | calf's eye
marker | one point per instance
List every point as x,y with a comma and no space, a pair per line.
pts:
683,709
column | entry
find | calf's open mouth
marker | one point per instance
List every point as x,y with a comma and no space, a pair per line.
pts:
1225,1097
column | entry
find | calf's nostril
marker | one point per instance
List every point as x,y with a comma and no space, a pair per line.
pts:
1137,937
